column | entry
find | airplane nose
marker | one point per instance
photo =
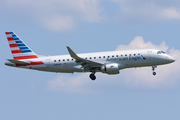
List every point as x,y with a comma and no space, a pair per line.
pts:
171,59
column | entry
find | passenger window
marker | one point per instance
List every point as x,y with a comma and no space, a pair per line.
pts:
54,60
104,57
94,57
99,56
129,54
108,56
63,59
86,58
125,55
90,58
72,59
113,56
138,53
67,59
134,54
59,60
116,55
121,55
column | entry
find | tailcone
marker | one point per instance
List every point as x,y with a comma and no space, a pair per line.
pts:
10,64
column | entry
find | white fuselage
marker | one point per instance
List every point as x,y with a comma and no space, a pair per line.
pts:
105,62
125,59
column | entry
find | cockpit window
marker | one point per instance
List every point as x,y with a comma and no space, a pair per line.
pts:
159,52
162,52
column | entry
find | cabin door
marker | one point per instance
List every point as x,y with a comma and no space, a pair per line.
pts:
150,55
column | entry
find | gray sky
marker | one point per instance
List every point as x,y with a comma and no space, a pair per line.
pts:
48,26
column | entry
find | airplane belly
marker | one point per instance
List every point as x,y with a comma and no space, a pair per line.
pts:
57,66
62,68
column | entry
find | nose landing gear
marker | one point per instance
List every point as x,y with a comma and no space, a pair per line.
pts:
154,73
153,69
92,76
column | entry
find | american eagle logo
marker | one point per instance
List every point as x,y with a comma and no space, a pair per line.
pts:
143,57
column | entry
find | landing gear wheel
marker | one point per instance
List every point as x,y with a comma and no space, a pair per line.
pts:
153,69
154,73
92,76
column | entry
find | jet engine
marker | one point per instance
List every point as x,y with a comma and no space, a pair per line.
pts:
110,69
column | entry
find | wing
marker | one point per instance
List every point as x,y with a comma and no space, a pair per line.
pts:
86,64
17,62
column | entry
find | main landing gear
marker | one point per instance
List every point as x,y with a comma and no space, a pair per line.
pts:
153,69
92,76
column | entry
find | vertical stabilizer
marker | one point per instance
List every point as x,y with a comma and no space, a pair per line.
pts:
18,48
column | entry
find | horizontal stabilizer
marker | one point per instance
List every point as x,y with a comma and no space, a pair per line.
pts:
18,62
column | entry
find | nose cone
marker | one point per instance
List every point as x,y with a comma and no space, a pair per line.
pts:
171,59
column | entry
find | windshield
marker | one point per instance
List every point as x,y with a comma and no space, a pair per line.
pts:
161,52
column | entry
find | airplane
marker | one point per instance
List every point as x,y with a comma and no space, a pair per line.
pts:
106,62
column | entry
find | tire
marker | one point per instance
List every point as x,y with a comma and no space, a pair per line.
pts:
92,76
154,73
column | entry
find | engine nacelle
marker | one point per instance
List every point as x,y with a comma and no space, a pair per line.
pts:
110,68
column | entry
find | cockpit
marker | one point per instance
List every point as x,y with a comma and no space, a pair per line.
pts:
161,52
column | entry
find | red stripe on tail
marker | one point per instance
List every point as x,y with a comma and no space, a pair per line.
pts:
25,57
32,63
13,45
16,51
36,63
7,33
10,38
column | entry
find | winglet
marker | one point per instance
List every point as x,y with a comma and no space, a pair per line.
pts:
72,53
81,61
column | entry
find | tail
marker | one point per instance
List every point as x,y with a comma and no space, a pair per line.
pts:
18,48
